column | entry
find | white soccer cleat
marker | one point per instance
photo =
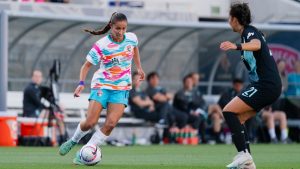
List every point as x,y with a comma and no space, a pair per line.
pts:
243,160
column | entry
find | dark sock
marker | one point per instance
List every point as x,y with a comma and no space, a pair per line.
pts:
61,139
237,131
247,138
217,137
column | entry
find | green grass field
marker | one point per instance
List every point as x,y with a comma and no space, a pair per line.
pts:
153,157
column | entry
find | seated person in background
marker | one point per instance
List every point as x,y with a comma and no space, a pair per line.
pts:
270,116
161,100
140,103
294,81
214,110
33,106
187,101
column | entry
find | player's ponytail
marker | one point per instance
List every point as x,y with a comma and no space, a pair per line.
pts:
114,18
242,12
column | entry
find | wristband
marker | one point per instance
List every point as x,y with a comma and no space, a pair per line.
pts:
81,83
238,46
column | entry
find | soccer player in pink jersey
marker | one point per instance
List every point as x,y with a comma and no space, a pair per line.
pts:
111,82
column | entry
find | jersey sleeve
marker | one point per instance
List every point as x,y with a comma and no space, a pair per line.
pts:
94,55
151,92
250,33
133,38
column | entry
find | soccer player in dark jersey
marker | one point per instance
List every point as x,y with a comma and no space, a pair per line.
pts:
264,87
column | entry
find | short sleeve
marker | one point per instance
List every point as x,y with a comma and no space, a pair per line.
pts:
250,33
94,55
133,38
151,92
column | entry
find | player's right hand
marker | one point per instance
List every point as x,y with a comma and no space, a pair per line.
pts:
78,90
227,46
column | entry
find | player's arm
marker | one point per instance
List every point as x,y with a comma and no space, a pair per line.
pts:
137,62
140,102
253,45
83,72
160,97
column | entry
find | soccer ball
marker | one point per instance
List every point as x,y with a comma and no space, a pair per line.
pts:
90,154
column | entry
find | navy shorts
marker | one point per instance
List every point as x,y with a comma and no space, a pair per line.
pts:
258,95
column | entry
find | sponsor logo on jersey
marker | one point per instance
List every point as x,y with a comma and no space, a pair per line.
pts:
250,34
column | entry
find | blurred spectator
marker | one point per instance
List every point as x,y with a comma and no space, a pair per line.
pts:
161,100
213,111
282,73
186,100
270,117
140,103
35,106
294,81
32,105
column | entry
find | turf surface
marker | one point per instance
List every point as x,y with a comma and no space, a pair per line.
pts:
153,157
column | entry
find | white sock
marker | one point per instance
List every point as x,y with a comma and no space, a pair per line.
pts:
98,138
284,134
272,133
79,134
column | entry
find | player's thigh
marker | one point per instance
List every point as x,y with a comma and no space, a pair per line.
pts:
114,112
94,111
237,106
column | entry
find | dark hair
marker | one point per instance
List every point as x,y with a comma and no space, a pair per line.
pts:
151,75
190,75
242,12
115,17
237,80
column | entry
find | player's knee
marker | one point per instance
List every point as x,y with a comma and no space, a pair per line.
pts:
110,125
90,124
283,115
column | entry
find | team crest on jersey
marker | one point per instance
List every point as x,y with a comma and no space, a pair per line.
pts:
115,61
129,49
250,34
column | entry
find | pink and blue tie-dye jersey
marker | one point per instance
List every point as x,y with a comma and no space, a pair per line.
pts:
115,62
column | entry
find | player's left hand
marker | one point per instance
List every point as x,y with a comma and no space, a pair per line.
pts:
227,46
141,73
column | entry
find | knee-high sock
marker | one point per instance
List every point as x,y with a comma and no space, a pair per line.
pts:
98,138
237,131
79,134
247,138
